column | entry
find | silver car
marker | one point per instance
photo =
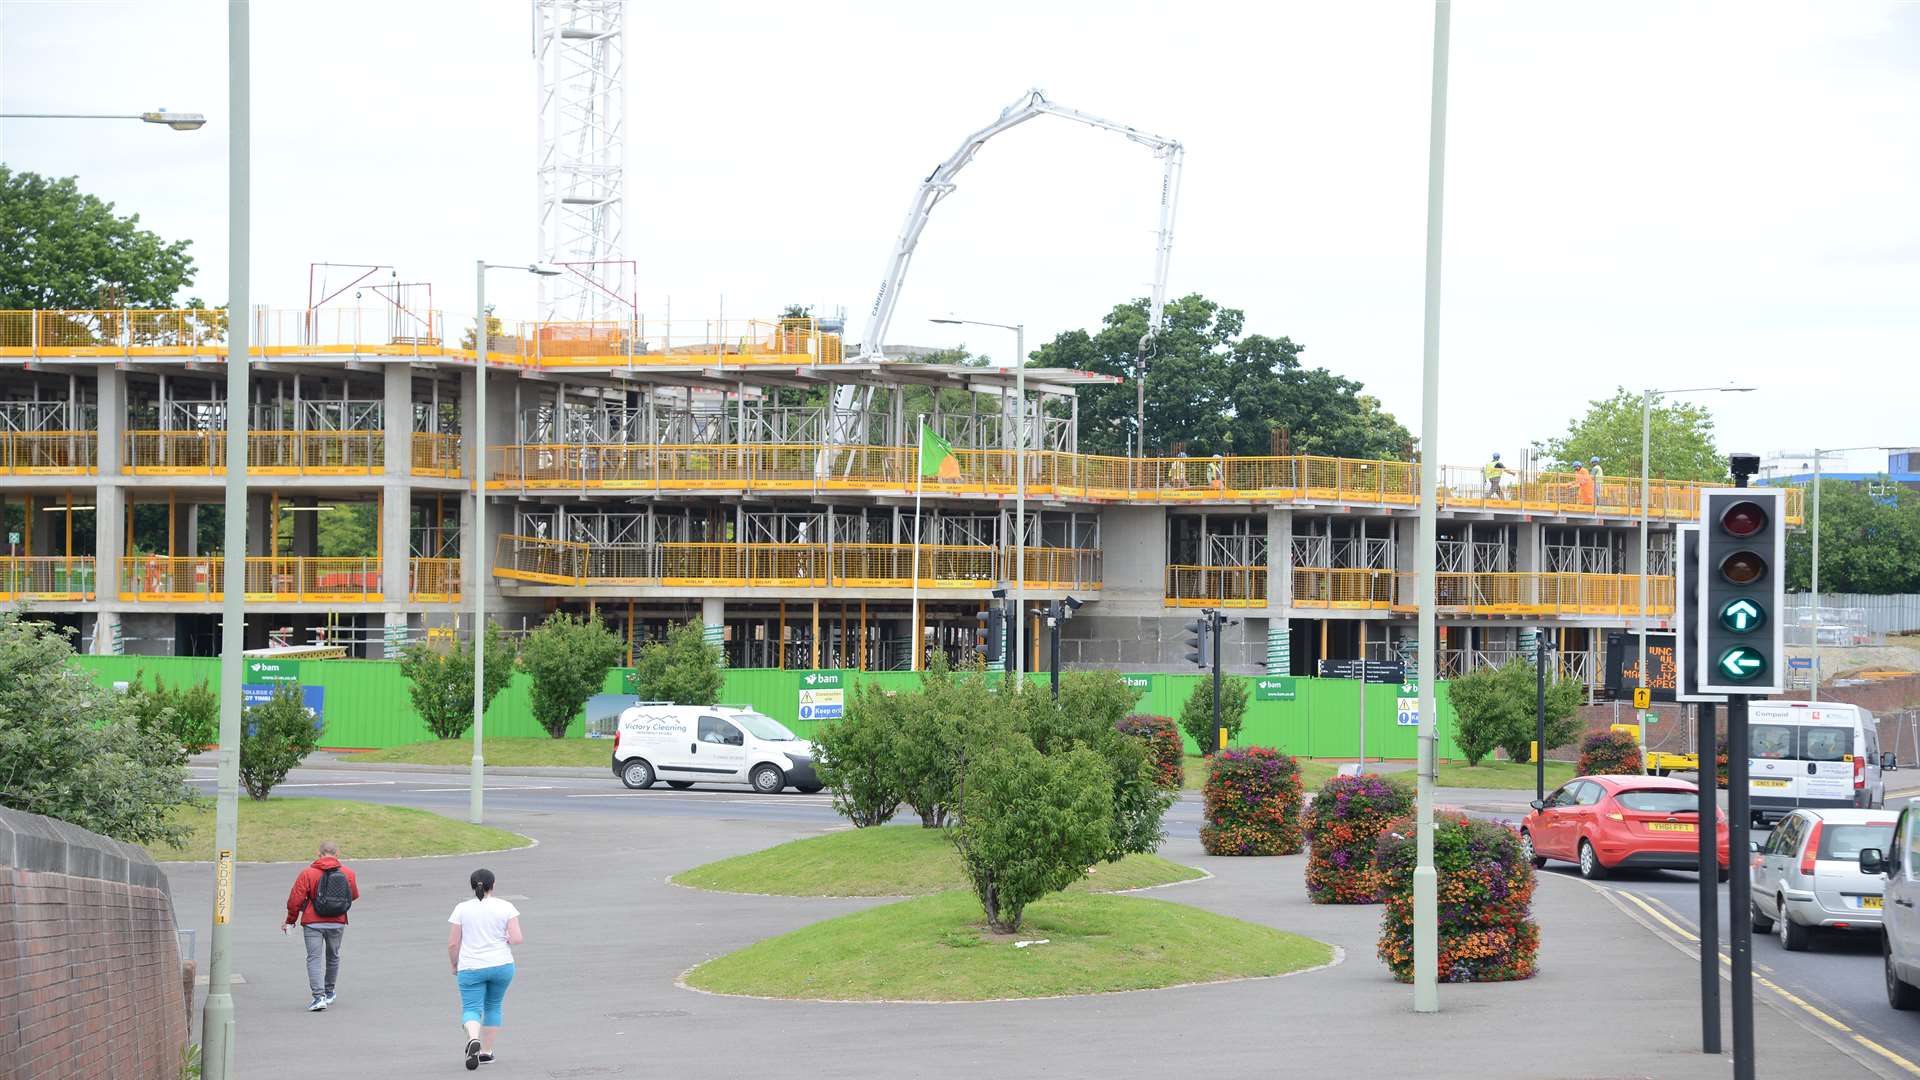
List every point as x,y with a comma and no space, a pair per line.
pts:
1807,874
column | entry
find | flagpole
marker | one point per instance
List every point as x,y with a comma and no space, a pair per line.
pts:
919,483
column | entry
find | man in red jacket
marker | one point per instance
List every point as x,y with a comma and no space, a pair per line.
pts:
321,895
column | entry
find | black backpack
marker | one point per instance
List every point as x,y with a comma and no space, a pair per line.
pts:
333,894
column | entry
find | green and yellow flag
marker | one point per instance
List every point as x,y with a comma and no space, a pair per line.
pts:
936,457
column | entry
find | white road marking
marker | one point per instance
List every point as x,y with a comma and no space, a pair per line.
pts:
342,783
490,787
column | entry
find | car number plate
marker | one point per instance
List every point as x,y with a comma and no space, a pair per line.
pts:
1871,903
1668,826
1769,783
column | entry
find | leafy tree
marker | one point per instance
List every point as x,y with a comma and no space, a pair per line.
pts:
1088,714
1030,824
1196,716
190,715
73,751
61,248
854,757
440,681
1682,440
1496,707
1519,680
1216,389
275,738
936,725
568,657
1479,708
1868,543
684,669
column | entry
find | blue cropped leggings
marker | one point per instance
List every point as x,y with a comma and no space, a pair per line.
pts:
481,992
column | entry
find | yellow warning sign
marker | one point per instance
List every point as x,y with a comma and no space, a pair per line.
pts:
1643,697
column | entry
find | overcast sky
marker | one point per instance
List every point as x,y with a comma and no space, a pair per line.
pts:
1643,193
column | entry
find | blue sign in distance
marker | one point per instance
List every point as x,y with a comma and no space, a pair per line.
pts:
313,697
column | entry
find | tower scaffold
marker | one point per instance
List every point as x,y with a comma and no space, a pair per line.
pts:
579,51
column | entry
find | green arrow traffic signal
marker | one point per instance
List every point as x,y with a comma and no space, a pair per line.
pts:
1742,664
1742,615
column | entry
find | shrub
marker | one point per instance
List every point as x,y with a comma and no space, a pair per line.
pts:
1030,824
72,750
1485,891
1343,827
1498,707
685,669
568,658
1196,716
440,681
1086,714
1164,752
274,738
1252,803
189,715
854,757
935,726
1605,753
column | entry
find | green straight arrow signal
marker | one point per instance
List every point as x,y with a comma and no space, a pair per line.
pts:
1742,664
1742,615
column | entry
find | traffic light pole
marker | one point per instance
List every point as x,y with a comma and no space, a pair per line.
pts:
1053,646
1740,885
1709,889
1215,621
1540,714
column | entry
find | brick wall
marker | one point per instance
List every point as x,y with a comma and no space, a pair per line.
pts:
90,975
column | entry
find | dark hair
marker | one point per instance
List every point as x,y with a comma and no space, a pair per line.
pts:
481,882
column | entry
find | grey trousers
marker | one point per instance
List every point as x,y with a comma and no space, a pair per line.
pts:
323,957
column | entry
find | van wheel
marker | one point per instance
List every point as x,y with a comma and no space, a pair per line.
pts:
1793,936
679,785
1900,994
1590,866
768,779
637,774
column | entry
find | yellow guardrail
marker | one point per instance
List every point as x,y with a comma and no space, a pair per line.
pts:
732,565
1384,590
437,454
433,581
199,578
284,453
815,467
1343,588
1216,586
49,453
46,577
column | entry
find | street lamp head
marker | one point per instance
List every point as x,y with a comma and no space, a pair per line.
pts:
543,270
176,121
949,322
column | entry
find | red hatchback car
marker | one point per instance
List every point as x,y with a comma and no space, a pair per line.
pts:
1604,823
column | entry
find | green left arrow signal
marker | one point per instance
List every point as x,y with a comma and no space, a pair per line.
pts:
1742,664
1742,616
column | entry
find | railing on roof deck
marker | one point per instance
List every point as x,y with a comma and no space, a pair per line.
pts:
198,578
46,577
49,453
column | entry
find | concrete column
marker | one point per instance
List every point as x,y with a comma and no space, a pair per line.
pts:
713,618
396,506
110,502
379,649
185,518
468,411
1279,559
259,540
306,528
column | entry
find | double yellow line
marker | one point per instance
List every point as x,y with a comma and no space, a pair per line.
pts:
1787,995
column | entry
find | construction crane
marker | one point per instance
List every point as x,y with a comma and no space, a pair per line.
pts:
940,183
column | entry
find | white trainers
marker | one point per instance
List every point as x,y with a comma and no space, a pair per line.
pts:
319,1003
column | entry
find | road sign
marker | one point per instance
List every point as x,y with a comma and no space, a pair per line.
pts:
1139,684
1280,688
1800,662
1642,697
1623,665
1406,711
1378,671
273,671
1742,569
822,704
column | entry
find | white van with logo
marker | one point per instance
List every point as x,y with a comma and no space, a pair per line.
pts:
1811,754
686,745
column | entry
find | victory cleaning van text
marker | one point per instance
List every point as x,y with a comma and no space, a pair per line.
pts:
686,745
1811,754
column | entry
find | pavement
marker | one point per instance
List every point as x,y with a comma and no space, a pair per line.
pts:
595,993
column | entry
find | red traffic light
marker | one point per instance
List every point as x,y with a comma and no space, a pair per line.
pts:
1743,519
1743,567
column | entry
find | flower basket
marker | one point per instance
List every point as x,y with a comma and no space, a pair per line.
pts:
1252,803
1162,736
1343,827
1487,933
1610,753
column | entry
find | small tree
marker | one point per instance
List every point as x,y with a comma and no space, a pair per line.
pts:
568,658
188,715
854,758
1030,824
1519,680
1087,714
685,669
440,681
1496,707
1196,716
276,736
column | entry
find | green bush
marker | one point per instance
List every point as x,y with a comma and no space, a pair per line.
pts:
1087,714
1196,716
1030,824
1485,888
189,715
275,737
951,713
440,681
568,658
1252,803
1498,707
854,757
684,669
73,751
1164,751
1610,753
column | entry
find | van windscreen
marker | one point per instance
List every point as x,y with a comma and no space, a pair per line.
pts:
1825,743
764,727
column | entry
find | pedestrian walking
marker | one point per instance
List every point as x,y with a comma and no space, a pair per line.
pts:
1496,473
479,947
319,900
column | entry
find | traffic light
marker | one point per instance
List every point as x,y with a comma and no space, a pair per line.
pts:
1199,641
1742,591
989,637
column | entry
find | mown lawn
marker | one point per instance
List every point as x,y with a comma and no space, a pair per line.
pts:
936,948
504,752
287,830
892,860
1503,774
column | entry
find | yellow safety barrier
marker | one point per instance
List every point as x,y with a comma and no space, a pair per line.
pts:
46,577
198,578
1216,586
284,453
1343,588
433,581
1539,594
437,454
49,453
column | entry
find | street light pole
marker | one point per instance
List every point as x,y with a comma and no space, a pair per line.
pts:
176,121
1814,581
216,1021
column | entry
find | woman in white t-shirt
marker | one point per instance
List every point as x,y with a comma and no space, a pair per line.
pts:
478,948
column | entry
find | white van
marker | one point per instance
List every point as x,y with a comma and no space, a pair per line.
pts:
1811,754
710,744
